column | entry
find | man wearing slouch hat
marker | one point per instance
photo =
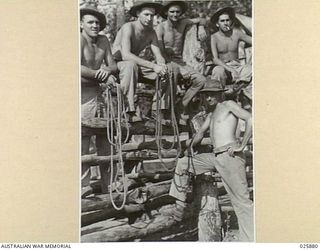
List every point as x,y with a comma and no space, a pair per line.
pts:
130,44
97,67
224,48
171,36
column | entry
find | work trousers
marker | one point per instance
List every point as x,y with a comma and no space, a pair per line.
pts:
131,73
233,175
197,81
244,71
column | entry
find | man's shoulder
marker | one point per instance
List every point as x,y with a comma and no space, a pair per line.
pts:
215,35
228,103
103,40
128,25
237,32
163,24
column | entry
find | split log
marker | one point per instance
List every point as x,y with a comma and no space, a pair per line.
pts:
131,184
141,229
103,225
129,232
166,144
99,125
138,195
88,218
132,211
158,166
127,156
151,177
209,220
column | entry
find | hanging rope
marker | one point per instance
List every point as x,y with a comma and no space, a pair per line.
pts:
114,123
158,134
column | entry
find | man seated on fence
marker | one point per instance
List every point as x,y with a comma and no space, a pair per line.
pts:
171,36
130,44
224,47
227,158
95,50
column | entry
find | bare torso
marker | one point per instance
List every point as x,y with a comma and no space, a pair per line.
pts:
227,46
92,56
140,38
173,38
223,126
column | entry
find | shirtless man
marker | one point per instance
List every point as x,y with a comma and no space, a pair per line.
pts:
131,41
171,36
95,49
227,158
224,47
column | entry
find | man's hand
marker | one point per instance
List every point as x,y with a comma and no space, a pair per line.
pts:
102,75
232,150
202,34
160,69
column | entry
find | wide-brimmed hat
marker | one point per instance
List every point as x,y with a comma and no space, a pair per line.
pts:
90,10
212,86
167,5
220,11
142,4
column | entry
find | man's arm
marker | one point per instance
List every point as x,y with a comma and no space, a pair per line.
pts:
245,38
110,66
159,33
199,135
242,114
155,48
86,72
110,62
102,73
202,34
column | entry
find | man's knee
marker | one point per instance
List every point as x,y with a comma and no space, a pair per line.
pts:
218,71
198,81
129,66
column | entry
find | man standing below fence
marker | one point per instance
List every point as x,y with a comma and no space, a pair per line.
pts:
130,50
227,158
95,50
224,48
171,36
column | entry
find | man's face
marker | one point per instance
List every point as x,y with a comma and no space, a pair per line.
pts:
212,98
224,23
174,13
145,16
90,25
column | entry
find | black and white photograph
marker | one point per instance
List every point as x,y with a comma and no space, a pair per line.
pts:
166,121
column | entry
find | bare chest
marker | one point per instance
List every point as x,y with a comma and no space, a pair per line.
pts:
173,36
92,56
227,44
139,41
222,119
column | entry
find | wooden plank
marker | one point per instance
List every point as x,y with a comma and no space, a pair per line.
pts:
93,159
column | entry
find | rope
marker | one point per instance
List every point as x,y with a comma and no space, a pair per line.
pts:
115,141
158,132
